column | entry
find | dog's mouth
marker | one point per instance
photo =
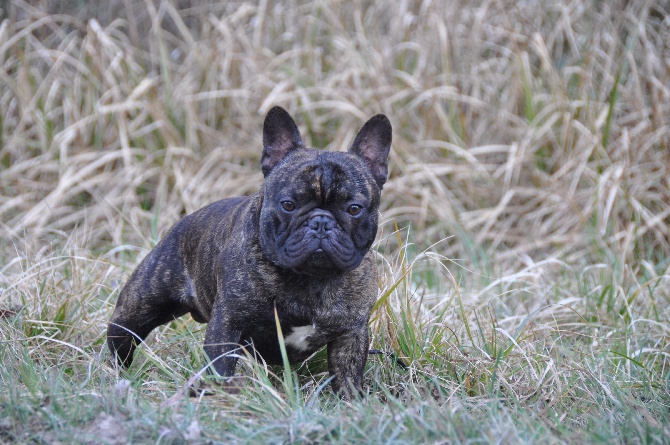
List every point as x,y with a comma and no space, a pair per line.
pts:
321,258
319,248
318,264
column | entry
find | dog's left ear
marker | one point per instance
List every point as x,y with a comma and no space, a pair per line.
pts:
280,136
372,144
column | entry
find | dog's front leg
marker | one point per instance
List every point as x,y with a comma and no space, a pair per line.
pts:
346,362
222,340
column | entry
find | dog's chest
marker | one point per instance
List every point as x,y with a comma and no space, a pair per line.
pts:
303,332
301,337
310,315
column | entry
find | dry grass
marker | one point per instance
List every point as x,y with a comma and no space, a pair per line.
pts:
528,284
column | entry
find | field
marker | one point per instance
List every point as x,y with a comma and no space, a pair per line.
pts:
524,244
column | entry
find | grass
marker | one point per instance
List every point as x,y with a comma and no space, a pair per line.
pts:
524,248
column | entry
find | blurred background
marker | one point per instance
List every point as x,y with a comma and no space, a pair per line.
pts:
522,130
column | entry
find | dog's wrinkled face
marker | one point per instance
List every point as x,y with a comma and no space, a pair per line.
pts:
319,213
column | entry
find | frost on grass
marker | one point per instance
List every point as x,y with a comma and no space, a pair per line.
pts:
106,429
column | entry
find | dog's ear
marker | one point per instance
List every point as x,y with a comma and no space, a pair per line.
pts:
372,144
280,136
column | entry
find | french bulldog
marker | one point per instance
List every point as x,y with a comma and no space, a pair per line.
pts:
298,248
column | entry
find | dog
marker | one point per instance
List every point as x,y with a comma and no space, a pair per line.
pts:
298,248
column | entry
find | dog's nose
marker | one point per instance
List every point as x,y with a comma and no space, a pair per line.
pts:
321,224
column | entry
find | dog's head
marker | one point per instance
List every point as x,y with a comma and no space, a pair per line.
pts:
319,212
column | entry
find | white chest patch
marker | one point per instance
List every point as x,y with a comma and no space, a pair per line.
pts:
299,335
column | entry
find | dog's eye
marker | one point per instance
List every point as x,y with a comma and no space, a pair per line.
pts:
354,209
288,206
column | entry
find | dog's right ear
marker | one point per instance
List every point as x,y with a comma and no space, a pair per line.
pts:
372,144
280,136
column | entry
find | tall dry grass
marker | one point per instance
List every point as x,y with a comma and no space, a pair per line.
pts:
532,129
530,180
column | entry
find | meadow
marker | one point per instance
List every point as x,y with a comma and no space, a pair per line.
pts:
524,243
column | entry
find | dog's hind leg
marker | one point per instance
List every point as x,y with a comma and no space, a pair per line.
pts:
128,328
156,294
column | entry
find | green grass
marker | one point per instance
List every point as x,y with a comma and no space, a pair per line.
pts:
524,248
